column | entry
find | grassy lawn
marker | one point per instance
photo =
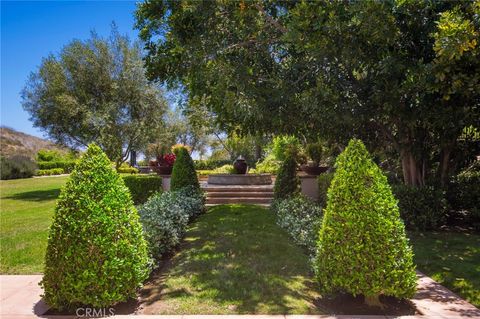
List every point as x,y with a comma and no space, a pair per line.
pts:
452,259
234,260
26,207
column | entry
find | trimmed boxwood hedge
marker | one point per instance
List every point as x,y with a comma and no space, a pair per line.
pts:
142,186
48,172
96,254
67,166
362,247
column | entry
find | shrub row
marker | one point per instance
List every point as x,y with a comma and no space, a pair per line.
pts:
67,166
165,217
48,172
142,186
127,170
210,164
17,166
301,218
464,194
421,208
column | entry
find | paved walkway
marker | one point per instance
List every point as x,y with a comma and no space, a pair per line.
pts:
20,299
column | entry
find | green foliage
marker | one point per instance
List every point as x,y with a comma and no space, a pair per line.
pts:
301,218
17,166
183,173
142,186
48,155
165,217
324,180
210,164
464,193
268,165
379,69
124,168
314,151
421,208
225,169
362,248
96,253
287,182
48,172
96,90
67,166
283,144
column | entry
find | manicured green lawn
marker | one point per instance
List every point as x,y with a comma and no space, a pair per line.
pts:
452,259
234,260
26,207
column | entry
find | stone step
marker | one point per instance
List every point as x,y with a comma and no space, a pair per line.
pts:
239,200
240,194
234,189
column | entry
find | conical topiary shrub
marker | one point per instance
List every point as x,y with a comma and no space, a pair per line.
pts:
183,173
287,182
96,253
362,248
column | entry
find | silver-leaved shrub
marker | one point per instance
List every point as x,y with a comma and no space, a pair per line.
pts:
301,218
165,217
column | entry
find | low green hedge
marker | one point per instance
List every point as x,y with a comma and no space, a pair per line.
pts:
127,170
48,172
421,208
210,164
67,166
142,186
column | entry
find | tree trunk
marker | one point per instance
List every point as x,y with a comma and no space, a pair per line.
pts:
444,167
413,169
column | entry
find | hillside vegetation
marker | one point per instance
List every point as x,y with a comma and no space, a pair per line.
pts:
13,142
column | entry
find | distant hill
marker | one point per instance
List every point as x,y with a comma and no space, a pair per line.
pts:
13,142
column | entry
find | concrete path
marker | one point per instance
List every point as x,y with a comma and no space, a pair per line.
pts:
20,299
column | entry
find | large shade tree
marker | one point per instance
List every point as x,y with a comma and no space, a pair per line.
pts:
96,90
402,75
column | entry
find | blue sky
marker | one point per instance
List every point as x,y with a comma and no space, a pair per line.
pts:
34,29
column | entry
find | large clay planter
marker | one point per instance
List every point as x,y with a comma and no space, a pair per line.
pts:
163,170
314,170
240,166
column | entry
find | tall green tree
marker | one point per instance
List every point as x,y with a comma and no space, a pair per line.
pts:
96,90
402,75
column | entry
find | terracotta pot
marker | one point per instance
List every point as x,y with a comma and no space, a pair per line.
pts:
164,170
240,166
314,170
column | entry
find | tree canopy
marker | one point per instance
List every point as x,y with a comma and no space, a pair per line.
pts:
401,75
96,90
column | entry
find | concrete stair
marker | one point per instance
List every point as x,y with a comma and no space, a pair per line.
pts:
238,194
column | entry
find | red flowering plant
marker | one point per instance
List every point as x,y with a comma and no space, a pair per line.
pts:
166,160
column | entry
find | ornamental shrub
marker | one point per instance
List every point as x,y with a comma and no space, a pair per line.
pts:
464,194
165,217
67,166
17,166
324,180
142,186
301,218
362,247
287,182
183,173
210,164
268,165
96,254
421,208
49,172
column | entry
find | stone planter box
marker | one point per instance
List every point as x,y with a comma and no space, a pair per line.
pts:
237,179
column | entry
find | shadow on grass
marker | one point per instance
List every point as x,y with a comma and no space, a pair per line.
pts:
36,196
236,260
